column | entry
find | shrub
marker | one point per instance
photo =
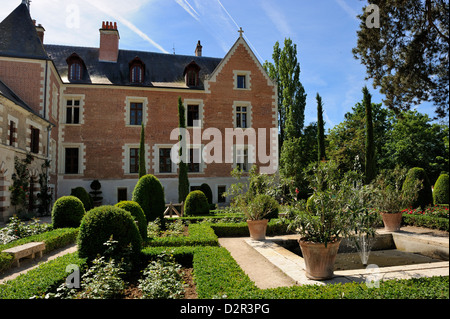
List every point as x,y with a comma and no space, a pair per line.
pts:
262,207
68,211
83,195
207,191
441,190
149,194
138,214
425,196
102,223
196,204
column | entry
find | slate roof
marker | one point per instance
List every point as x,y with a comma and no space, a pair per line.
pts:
18,36
6,92
161,70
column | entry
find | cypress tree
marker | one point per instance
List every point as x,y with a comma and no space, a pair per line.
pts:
370,145
183,181
142,169
320,129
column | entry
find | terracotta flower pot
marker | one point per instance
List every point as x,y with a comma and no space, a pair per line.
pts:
392,221
319,260
257,228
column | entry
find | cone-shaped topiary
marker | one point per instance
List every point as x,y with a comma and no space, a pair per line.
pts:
441,190
196,204
149,194
138,214
84,196
102,223
425,196
68,211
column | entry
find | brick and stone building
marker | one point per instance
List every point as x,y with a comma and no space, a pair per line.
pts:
83,108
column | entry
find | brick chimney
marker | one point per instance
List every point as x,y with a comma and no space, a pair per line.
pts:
198,49
109,42
40,31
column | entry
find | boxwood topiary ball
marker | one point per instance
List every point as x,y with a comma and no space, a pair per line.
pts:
68,211
138,214
441,190
102,223
196,204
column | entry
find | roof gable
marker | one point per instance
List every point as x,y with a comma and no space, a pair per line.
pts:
18,36
218,70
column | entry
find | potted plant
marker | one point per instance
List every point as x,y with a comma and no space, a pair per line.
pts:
326,218
390,198
95,193
256,212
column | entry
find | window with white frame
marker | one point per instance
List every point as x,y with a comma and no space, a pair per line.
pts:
136,111
193,112
71,156
242,80
242,114
74,109
243,157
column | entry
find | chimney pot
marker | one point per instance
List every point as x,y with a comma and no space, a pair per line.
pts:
109,42
198,49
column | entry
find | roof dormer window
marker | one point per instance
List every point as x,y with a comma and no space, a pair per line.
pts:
191,74
137,71
76,67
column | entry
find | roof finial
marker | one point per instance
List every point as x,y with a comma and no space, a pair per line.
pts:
27,3
240,32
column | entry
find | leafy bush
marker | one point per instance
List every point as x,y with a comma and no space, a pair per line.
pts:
199,235
83,195
260,207
425,195
149,194
441,190
67,212
196,204
138,214
162,279
102,223
16,229
207,191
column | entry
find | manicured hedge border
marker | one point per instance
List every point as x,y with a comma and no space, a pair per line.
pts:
217,275
274,227
199,235
40,280
426,221
53,239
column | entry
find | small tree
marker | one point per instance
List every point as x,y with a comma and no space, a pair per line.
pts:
320,129
370,145
183,180
142,169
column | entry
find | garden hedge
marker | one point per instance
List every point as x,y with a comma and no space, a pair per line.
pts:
425,196
199,235
53,240
196,204
441,190
149,194
67,212
83,195
102,223
138,214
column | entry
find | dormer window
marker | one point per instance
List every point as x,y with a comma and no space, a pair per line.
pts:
76,67
191,74
137,71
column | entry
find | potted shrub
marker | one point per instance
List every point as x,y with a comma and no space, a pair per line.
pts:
390,198
327,218
256,212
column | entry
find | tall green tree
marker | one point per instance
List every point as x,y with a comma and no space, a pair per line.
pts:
142,169
320,130
406,56
183,180
370,169
285,70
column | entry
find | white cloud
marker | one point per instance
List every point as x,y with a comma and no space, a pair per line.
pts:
277,17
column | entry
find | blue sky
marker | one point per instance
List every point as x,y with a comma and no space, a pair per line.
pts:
324,31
